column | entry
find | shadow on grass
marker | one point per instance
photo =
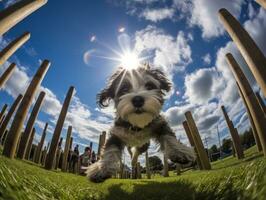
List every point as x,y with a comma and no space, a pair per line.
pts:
170,190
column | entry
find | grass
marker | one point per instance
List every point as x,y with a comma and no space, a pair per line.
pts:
229,179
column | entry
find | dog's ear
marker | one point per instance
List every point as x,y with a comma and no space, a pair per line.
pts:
108,93
165,84
104,97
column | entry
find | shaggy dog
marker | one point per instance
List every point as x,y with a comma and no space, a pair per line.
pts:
138,98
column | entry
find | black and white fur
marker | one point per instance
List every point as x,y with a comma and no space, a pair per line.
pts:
138,98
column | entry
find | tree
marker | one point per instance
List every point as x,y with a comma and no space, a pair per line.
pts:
155,163
214,152
227,145
247,138
213,149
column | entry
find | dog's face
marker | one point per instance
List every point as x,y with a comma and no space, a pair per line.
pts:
137,94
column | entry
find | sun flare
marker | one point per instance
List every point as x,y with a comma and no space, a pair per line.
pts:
129,60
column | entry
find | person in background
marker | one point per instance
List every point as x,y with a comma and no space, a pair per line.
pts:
85,160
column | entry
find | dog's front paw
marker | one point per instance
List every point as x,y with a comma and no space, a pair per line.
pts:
183,155
97,173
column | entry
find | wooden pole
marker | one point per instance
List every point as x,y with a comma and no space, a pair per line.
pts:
48,146
2,120
27,156
148,171
34,149
138,170
165,165
66,149
260,100
192,143
15,130
9,115
198,142
26,135
121,171
6,75
248,48
262,3
252,124
13,46
71,143
40,145
15,13
91,144
3,137
3,111
252,102
58,153
234,135
69,154
44,153
77,166
57,132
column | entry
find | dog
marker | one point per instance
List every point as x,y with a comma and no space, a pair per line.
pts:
138,97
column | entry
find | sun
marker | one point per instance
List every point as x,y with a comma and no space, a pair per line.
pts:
130,60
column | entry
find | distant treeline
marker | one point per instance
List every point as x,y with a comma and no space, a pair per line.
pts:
247,140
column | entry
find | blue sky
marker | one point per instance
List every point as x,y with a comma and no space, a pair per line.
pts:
183,38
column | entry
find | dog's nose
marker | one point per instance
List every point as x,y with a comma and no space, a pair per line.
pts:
138,101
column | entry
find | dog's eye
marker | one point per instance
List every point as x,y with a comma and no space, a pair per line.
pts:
124,89
150,86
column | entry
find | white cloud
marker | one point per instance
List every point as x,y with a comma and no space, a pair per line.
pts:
79,116
10,2
51,105
145,1
207,59
175,115
256,28
17,83
200,13
204,14
201,85
156,15
251,11
167,52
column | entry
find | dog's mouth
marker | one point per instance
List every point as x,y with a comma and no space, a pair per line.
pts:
139,111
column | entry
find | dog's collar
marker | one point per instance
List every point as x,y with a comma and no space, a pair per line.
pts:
127,125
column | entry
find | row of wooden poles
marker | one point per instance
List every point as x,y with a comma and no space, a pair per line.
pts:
16,141
253,102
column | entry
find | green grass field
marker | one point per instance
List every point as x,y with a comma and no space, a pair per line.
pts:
229,179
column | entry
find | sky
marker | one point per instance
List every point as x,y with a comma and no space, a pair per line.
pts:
84,40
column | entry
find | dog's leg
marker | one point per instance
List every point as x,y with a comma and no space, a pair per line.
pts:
135,155
176,151
109,161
